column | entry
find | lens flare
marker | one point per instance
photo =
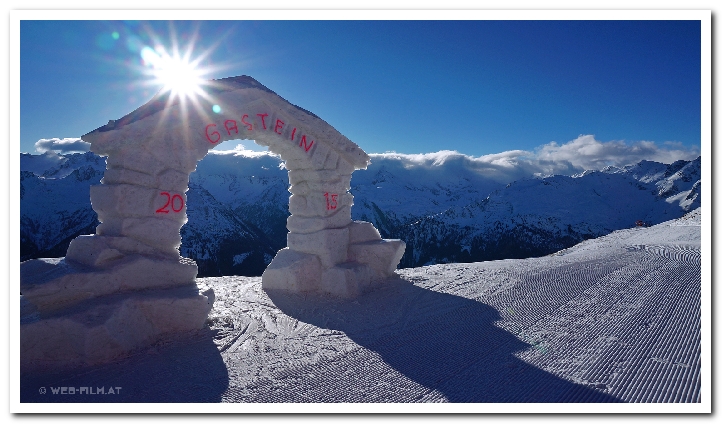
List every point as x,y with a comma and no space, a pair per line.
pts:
179,75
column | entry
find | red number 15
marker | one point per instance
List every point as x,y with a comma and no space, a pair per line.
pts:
331,201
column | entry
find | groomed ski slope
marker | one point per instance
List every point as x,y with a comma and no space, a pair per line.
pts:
615,319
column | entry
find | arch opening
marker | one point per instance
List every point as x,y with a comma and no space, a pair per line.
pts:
240,145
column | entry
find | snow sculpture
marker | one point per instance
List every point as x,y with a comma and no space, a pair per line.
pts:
131,273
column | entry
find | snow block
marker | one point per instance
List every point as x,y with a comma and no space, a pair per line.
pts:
294,157
344,167
92,251
88,250
109,328
304,225
329,245
362,231
171,150
161,234
321,204
292,271
128,200
331,160
134,159
325,176
172,180
169,179
382,256
114,176
319,153
306,188
56,284
348,280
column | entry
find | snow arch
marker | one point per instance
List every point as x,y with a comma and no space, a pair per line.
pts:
152,151
127,286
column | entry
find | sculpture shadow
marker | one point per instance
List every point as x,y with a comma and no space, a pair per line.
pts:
447,343
183,370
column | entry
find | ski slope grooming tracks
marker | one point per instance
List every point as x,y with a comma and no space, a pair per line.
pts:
612,334
416,344
619,315
616,319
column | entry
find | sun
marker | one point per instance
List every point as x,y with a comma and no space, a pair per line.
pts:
176,74
179,76
180,73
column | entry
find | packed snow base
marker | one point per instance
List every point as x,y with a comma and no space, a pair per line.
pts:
615,319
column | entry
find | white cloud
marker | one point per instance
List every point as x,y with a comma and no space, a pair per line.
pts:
62,145
573,157
585,152
241,150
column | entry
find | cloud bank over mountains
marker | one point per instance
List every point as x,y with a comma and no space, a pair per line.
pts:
573,157
583,153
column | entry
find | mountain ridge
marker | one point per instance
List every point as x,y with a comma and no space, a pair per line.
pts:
446,212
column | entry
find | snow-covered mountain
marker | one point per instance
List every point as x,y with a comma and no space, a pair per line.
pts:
253,187
445,211
219,240
395,192
539,216
55,201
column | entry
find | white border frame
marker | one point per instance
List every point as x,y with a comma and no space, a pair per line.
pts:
358,14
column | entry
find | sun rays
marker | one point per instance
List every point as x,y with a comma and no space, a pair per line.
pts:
175,70
180,72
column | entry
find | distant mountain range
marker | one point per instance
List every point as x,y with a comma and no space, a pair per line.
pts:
446,212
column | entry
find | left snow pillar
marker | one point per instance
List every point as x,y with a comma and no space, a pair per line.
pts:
126,286
141,215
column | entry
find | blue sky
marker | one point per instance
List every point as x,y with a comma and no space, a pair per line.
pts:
477,87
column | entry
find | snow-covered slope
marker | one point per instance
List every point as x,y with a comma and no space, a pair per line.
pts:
615,319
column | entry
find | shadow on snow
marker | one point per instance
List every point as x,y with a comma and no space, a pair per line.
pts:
184,370
447,343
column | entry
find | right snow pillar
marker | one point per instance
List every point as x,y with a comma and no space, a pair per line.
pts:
328,252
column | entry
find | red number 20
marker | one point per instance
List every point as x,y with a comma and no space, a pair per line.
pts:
170,201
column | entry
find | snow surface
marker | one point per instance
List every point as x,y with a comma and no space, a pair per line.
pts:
615,319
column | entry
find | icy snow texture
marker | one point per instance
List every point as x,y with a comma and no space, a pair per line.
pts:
141,204
614,319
